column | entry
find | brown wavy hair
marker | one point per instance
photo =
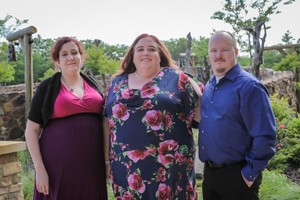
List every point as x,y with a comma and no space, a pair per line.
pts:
54,53
127,66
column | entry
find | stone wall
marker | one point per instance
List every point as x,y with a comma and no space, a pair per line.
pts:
12,99
281,83
10,168
12,111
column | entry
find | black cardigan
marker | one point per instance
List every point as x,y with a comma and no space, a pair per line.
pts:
42,103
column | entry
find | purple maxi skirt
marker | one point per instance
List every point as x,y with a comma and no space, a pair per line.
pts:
72,151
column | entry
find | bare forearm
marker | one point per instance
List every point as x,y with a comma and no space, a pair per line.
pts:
32,134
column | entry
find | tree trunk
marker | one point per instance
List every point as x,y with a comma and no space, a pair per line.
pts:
258,48
188,53
203,73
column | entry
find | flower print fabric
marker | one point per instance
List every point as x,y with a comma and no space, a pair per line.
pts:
151,143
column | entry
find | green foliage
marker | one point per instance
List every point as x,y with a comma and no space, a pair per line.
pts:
298,85
288,63
276,186
270,58
200,48
41,57
244,61
98,63
27,174
287,38
27,180
288,135
110,51
176,46
7,72
7,69
47,74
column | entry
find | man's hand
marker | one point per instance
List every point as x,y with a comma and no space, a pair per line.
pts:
249,183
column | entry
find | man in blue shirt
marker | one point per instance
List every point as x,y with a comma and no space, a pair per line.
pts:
237,127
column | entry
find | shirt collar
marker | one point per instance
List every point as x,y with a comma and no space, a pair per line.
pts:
231,74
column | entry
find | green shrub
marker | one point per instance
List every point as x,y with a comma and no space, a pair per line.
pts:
276,186
288,63
27,174
288,135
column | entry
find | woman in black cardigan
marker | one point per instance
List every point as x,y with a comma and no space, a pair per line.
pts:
64,133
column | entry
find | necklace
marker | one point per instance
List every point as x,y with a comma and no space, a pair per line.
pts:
67,86
142,77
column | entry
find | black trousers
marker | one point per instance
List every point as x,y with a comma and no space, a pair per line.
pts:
227,183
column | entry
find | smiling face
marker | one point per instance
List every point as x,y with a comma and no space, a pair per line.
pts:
222,53
70,60
146,54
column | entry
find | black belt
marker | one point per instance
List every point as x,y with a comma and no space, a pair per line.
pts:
217,166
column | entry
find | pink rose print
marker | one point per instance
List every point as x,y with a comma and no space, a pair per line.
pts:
113,137
116,88
178,189
160,74
127,196
148,90
191,192
126,93
190,163
147,105
111,123
161,174
182,80
167,146
116,188
180,158
151,150
120,111
123,146
168,121
135,182
137,155
181,116
127,165
165,159
154,119
164,192
189,187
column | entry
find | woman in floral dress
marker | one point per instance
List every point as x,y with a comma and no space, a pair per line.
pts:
149,108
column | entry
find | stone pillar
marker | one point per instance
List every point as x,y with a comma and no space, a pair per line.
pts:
10,168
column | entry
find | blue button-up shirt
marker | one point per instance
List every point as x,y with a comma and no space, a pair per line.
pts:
237,122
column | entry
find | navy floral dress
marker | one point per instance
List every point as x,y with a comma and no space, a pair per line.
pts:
152,149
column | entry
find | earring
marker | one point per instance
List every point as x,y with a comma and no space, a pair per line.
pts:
57,68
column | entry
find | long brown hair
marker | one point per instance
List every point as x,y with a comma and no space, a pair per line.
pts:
127,66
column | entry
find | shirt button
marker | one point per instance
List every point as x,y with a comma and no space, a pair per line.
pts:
216,88
202,131
206,116
202,147
211,102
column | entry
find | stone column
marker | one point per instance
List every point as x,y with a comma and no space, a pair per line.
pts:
10,168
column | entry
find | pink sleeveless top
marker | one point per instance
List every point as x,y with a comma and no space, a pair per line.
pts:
67,103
